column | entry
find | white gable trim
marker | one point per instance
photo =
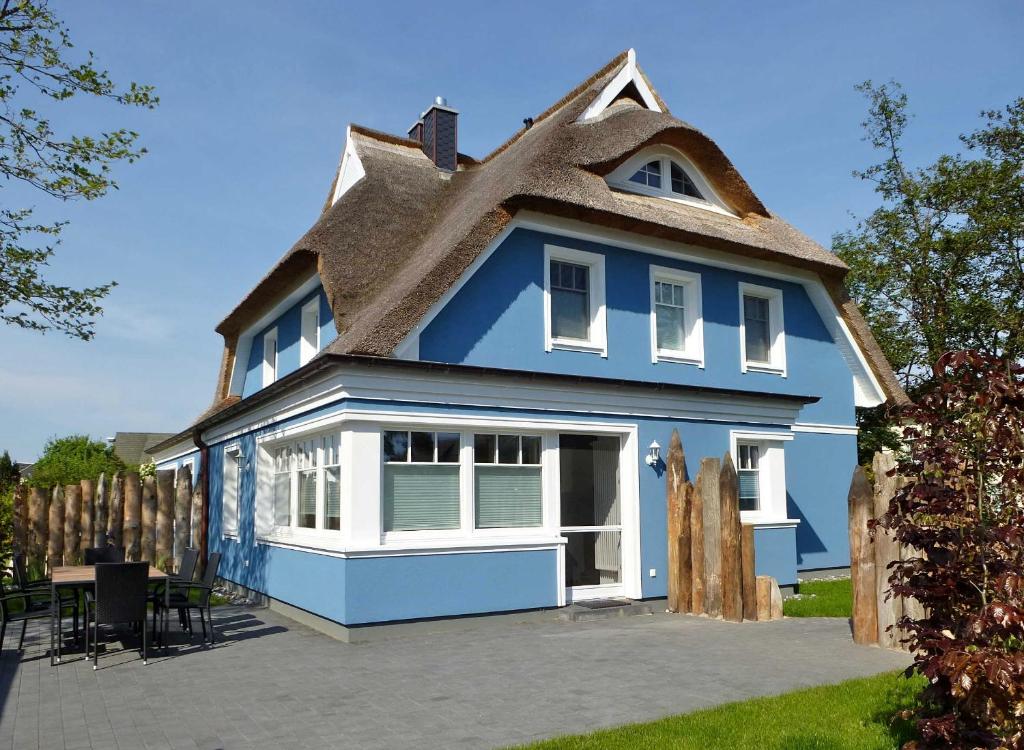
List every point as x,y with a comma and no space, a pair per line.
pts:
629,74
867,390
350,171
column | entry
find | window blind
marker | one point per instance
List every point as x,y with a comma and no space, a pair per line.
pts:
283,498
332,491
507,497
307,499
420,496
749,494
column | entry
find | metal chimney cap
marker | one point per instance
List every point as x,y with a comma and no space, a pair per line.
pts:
440,100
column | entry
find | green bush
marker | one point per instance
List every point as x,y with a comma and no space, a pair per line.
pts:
69,460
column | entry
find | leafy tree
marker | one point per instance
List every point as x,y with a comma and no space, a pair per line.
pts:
69,460
939,266
36,71
8,471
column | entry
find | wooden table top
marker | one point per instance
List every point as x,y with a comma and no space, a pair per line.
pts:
68,574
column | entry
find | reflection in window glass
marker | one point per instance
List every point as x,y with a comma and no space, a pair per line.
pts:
531,449
508,449
396,446
484,447
447,447
422,447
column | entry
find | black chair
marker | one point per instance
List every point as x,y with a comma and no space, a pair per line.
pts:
186,572
68,597
183,600
108,554
120,597
35,605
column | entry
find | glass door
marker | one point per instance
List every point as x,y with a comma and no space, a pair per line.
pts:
591,515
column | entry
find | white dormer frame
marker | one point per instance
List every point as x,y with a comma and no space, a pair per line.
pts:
630,73
619,179
270,356
309,330
351,169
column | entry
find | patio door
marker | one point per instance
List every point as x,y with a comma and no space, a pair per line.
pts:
591,515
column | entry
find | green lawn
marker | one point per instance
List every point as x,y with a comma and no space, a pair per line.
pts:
821,599
856,714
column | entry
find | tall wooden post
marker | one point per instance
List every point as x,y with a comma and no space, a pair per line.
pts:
675,472
862,560
102,505
684,546
197,515
164,517
88,514
732,560
182,513
115,522
20,540
55,549
148,536
697,544
711,468
39,525
747,560
887,550
73,524
769,599
133,516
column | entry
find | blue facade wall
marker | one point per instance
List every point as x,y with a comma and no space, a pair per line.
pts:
289,331
497,319
775,554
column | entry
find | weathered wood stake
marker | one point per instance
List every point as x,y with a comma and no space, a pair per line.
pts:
862,560
39,525
674,478
73,524
88,515
164,517
887,550
711,468
776,598
732,556
55,549
133,516
684,545
182,513
769,599
749,572
697,544
102,506
197,515
20,540
115,519
148,536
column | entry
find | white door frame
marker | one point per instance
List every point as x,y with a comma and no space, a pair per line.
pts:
629,497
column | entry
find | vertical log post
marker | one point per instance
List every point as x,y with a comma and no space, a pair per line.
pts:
164,517
197,515
697,544
39,525
100,520
55,548
148,537
675,471
732,555
73,524
776,599
182,513
769,599
862,560
887,550
88,515
133,516
115,519
20,540
711,468
684,544
749,572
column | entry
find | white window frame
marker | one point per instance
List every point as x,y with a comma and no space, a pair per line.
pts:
229,527
598,341
771,476
619,178
506,530
693,317
309,334
776,328
269,366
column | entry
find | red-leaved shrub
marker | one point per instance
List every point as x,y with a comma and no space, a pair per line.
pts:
961,510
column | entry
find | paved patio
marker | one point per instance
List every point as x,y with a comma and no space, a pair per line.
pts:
271,683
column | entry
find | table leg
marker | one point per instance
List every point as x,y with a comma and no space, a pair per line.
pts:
164,620
53,609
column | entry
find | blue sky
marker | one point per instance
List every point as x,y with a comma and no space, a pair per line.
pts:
255,97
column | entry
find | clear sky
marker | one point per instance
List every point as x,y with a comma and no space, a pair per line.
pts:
255,97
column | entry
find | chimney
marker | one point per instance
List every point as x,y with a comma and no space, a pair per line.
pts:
438,131
416,131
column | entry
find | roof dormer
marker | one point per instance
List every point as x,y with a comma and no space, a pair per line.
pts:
664,172
629,82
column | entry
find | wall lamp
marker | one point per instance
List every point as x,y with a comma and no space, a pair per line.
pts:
653,454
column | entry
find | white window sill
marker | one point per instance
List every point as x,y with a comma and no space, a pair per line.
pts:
337,548
763,368
768,522
229,536
575,345
679,358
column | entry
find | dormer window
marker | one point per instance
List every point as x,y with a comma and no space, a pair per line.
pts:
663,172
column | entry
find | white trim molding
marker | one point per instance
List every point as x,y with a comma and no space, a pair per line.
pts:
269,367
629,73
825,429
351,169
693,317
597,339
777,330
665,156
309,330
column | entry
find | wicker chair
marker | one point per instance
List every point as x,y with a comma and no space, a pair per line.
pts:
108,554
68,597
182,599
121,597
35,605
186,572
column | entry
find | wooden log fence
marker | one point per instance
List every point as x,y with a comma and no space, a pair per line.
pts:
73,524
133,516
88,514
100,519
20,540
147,542
55,545
115,517
39,525
164,517
182,512
711,560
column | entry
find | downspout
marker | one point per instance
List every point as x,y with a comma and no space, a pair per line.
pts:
204,493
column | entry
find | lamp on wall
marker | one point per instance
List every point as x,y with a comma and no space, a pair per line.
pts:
653,454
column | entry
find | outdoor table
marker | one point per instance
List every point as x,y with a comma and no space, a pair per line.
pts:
84,577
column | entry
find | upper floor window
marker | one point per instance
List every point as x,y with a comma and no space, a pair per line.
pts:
309,344
762,334
676,317
665,173
574,315
269,357
231,490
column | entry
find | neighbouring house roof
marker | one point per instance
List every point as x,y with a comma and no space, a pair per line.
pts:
403,234
131,447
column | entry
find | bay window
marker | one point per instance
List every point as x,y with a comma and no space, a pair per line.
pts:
420,480
507,481
306,484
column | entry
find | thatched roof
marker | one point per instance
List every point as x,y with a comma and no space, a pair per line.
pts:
399,238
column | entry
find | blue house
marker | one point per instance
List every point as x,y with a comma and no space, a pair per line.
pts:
440,401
